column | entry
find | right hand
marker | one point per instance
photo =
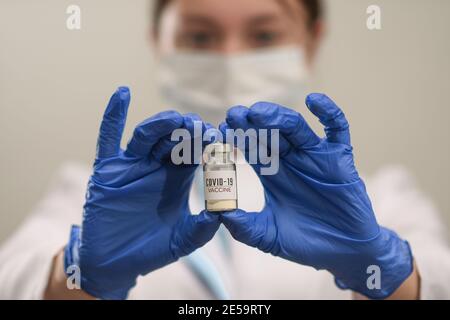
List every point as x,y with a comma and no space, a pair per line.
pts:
136,217
317,211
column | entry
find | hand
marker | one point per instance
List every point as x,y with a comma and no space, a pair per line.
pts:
317,211
136,217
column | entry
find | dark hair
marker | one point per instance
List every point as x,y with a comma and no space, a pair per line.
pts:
314,9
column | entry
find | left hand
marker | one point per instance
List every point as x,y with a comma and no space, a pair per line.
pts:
317,210
136,217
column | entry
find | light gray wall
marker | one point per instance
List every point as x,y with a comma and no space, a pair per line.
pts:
54,84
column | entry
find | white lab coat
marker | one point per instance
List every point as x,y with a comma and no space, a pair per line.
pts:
247,273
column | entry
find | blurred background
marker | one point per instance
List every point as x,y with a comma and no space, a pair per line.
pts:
55,83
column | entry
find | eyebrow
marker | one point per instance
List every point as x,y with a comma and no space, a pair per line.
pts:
198,19
263,19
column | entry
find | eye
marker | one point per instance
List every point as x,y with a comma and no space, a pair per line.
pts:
265,38
198,39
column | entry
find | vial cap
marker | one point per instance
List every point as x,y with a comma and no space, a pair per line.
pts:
218,147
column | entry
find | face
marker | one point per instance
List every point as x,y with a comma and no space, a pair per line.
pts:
235,26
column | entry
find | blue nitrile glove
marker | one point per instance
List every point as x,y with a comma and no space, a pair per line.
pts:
317,211
136,217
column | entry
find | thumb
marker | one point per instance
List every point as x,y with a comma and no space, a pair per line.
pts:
256,229
193,231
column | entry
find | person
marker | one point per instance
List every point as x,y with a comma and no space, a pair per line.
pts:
137,237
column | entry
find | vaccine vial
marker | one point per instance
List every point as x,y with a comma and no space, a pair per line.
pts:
219,177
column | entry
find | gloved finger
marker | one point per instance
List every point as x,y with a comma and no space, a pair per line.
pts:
163,149
193,232
256,229
291,124
243,146
113,123
237,121
193,122
194,130
331,116
149,132
238,118
237,131
255,143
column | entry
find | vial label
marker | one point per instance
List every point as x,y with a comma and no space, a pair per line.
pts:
220,185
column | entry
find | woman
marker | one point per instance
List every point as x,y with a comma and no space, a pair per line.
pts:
213,55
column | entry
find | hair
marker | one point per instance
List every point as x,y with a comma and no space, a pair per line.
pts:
314,8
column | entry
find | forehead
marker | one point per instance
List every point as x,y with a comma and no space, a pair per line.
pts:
234,11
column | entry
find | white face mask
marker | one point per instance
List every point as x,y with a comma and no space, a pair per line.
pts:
209,84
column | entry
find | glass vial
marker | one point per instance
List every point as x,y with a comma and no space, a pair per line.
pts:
219,177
